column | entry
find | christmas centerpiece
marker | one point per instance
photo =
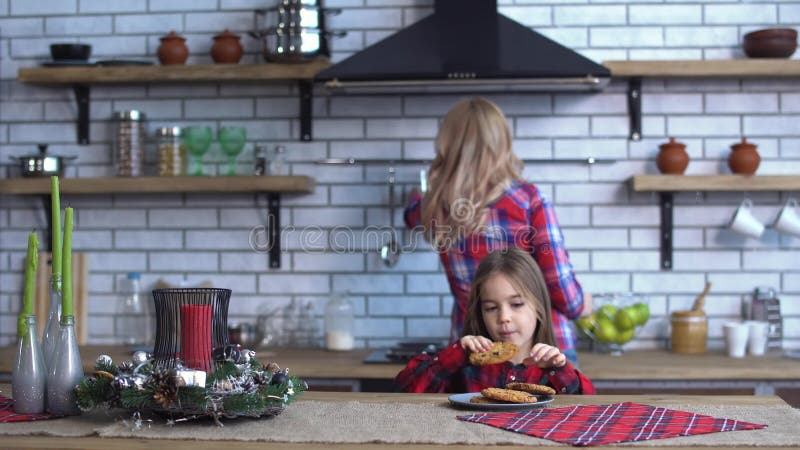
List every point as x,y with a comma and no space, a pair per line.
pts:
193,372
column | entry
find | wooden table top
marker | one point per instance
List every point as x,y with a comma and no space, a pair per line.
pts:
43,442
633,365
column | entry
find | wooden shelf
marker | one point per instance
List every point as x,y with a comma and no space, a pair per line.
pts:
149,185
708,68
182,73
684,183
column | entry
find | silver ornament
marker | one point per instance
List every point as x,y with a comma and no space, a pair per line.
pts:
139,357
245,356
103,360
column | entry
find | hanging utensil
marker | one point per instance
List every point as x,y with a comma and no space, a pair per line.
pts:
390,252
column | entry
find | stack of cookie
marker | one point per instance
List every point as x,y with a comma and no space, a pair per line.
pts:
514,393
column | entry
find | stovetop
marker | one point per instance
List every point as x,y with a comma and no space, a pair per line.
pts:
402,352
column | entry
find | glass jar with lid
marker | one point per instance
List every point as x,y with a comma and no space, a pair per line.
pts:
339,323
129,142
171,151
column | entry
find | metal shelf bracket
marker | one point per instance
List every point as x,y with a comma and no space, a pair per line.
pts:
274,229
306,98
635,108
666,203
82,97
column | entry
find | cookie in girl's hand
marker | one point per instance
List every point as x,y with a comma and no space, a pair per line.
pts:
499,353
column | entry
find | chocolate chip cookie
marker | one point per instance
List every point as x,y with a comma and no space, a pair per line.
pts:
507,395
531,388
499,353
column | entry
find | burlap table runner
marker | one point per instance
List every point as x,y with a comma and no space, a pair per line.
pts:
421,423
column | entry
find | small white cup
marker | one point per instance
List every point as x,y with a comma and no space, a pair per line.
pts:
788,220
758,331
736,338
744,222
423,181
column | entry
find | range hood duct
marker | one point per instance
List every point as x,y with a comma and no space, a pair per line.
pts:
465,46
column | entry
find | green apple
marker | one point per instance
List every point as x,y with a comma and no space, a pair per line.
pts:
626,318
586,324
625,336
607,311
605,331
644,313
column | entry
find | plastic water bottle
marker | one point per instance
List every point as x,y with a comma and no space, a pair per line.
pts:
130,321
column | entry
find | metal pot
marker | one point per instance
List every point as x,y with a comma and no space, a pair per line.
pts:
295,16
289,45
41,165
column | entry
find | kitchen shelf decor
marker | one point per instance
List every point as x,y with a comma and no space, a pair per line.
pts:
81,78
273,186
667,185
634,71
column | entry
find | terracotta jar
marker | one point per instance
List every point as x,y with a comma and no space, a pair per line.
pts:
226,49
672,158
173,49
744,158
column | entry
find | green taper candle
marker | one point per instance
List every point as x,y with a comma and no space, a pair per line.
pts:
31,262
66,266
55,206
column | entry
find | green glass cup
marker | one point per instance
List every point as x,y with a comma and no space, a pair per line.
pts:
231,141
197,140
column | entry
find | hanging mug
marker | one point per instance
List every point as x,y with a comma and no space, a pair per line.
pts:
788,220
744,222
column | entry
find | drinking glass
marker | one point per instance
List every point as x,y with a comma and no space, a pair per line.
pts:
232,140
197,140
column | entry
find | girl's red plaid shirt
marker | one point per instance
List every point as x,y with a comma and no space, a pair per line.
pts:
450,371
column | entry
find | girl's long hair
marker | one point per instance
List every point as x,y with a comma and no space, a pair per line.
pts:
474,164
525,276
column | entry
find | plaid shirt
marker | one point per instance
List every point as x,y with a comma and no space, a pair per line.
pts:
524,218
449,371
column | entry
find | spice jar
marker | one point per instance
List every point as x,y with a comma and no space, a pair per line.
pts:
171,152
744,158
129,142
689,332
173,50
339,323
226,49
672,158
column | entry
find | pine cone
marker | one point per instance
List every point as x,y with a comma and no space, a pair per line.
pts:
126,367
165,391
164,398
260,378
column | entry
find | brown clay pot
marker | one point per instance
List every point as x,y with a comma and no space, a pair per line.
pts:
744,158
226,49
173,49
672,158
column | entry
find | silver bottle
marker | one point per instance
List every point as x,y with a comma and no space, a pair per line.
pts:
29,376
65,372
52,328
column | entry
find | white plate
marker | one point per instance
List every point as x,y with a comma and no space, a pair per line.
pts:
462,400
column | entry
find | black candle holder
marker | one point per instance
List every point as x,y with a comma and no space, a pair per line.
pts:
169,304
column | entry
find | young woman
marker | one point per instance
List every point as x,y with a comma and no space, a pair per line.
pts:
508,302
477,201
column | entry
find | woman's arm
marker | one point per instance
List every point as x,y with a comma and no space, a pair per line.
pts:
566,294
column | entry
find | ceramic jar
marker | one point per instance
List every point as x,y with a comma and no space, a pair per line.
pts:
173,49
672,157
744,158
226,49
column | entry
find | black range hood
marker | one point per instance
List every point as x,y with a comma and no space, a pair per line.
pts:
466,45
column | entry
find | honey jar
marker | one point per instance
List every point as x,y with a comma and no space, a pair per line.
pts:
171,152
689,332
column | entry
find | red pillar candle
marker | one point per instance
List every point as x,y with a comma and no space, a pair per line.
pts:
196,336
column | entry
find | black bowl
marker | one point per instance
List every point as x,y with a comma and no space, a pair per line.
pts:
73,52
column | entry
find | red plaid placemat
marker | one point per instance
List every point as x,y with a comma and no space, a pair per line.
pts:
7,413
608,424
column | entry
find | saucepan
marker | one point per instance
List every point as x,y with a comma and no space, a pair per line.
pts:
295,16
288,45
41,165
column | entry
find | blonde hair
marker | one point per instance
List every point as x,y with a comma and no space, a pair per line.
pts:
522,271
474,164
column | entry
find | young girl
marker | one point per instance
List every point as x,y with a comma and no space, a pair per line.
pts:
508,302
477,201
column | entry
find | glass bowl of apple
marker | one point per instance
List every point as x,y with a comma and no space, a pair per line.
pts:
615,320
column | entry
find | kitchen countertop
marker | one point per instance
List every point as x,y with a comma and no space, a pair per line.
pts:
93,442
633,365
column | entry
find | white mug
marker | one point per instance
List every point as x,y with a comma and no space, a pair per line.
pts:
736,335
744,222
788,221
758,332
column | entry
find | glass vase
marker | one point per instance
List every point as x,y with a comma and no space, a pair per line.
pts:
52,328
29,376
65,372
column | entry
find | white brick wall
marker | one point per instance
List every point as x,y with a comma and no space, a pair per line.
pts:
611,232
